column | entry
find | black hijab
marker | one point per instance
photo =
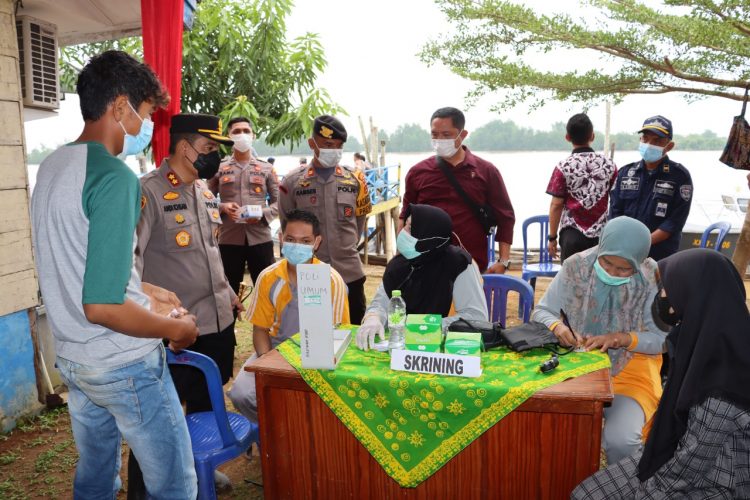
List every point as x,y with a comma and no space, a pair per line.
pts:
426,282
709,349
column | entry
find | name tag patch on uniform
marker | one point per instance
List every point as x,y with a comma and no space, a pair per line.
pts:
664,187
347,189
171,195
630,184
686,191
348,211
305,192
175,206
257,180
182,239
661,209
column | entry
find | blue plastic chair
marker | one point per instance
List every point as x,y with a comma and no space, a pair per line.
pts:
723,228
217,435
496,288
545,267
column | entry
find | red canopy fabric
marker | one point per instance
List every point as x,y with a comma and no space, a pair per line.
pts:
162,50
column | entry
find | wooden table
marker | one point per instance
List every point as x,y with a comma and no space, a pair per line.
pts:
541,450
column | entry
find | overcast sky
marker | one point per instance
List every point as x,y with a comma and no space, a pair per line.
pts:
373,70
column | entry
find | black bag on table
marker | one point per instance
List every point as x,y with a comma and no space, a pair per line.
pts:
491,336
528,336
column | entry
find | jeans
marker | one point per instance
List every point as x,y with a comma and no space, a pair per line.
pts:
138,402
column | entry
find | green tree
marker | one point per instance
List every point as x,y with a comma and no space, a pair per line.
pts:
240,49
696,47
409,138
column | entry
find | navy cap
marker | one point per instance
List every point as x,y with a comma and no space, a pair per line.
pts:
657,125
329,127
205,125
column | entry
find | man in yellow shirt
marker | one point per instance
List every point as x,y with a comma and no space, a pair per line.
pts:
273,308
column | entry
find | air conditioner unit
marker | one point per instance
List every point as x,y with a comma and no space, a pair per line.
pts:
37,56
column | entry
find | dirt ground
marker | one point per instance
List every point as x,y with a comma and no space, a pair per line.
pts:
38,458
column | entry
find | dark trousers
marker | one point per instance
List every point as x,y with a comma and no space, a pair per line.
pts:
573,241
192,389
236,257
357,301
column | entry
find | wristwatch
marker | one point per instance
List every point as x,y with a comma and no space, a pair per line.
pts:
504,262
551,237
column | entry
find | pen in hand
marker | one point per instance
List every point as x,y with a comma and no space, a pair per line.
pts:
578,339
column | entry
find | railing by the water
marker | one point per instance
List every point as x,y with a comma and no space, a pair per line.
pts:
384,183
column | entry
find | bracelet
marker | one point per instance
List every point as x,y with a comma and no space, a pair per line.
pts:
553,326
551,237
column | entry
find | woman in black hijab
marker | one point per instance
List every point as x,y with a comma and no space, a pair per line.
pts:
432,275
699,444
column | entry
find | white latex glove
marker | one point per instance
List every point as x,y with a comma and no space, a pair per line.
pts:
370,327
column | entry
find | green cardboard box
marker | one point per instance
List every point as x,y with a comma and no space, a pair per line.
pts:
463,343
424,332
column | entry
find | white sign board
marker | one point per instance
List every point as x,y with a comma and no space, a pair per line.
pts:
321,347
436,363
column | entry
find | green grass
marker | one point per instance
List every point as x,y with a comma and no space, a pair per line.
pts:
8,457
54,458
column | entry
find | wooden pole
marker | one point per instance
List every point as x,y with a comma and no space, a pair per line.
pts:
741,256
365,143
367,243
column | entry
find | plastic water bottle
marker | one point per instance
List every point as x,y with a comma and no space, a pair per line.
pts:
396,321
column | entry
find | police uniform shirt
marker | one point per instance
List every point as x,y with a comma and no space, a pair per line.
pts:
341,203
659,198
177,247
254,183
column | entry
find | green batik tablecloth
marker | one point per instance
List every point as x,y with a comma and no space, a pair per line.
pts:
414,423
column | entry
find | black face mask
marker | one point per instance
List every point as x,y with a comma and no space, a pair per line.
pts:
207,164
660,310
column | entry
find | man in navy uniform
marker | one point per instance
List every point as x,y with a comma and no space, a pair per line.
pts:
656,190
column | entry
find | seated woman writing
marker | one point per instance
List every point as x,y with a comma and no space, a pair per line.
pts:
606,293
699,445
434,277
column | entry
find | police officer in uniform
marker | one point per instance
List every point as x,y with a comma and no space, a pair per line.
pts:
177,246
656,190
338,196
245,180
178,249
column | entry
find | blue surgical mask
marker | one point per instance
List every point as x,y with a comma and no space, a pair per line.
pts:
134,144
297,253
407,245
607,278
650,153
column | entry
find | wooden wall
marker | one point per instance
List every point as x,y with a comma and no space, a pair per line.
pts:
18,281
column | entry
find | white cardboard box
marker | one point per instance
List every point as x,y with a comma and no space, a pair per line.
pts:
321,346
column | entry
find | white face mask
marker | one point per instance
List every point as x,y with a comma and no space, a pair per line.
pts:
330,158
242,142
446,148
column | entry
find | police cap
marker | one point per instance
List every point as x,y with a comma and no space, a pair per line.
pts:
205,125
329,127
